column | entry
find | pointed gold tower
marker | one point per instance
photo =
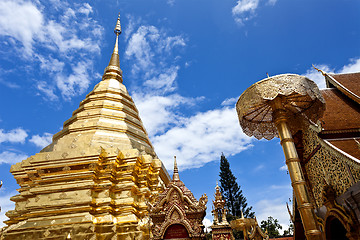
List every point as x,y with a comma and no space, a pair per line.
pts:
94,179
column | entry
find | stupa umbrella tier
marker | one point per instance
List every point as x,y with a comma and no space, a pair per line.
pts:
300,99
278,107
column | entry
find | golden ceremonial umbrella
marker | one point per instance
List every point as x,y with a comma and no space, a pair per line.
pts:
279,106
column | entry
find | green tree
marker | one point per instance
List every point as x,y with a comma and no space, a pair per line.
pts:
289,231
235,200
272,226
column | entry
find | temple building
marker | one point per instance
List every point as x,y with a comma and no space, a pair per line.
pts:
330,158
94,179
319,131
176,213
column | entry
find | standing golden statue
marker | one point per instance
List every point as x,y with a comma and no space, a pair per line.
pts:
279,106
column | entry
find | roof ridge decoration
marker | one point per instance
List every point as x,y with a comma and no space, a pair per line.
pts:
331,80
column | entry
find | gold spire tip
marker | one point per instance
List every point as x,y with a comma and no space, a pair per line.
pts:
117,29
176,171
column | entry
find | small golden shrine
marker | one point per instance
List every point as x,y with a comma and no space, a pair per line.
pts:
221,228
94,179
177,214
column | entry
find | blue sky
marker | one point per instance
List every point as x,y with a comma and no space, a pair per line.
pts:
184,62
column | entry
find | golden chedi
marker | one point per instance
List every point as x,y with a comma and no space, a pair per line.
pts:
94,179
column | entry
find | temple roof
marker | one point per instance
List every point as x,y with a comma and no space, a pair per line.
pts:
350,146
347,83
341,112
341,120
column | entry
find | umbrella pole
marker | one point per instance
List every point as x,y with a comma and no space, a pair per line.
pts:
305,207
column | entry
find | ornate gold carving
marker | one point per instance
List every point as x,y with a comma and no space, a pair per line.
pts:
327,166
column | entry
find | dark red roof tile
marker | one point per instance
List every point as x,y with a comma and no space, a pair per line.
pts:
351,81
341,112
350,146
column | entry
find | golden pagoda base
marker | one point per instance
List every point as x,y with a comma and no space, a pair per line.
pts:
100,196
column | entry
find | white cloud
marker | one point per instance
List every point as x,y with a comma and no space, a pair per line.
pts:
11,157
207,223
158,112
353,66
283,168
276,187
244,10
272,2
201,137
41,141
171,2
21,20
54,37
49,91
86,9
196,138
130,27
275,208
165,80
229,101
50,64
139,47
259,167
9,84
17,135
6,205
75,83
150,51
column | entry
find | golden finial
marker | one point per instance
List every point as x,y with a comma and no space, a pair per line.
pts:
117,29
319,70
242,214
176,171
113,69
267,74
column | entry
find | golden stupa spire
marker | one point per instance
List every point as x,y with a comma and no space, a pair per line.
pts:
113,69
176,176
